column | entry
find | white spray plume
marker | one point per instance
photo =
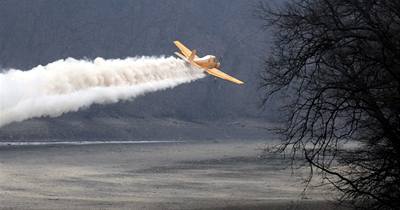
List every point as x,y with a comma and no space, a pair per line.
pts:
69,85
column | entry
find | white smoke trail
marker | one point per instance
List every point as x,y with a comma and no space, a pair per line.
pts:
69,85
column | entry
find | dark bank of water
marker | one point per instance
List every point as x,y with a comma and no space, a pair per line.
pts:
54,143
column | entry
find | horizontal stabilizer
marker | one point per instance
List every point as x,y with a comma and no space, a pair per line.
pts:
181,56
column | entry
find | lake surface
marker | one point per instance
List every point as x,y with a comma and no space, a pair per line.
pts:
152,175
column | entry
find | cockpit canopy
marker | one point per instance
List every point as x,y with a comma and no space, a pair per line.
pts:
209,60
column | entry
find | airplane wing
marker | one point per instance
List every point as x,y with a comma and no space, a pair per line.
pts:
185,51
222,75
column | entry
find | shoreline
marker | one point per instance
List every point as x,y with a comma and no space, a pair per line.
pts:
86,142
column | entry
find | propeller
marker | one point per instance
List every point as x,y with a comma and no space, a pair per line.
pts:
220,59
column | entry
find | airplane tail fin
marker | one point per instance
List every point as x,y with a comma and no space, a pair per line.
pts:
192,56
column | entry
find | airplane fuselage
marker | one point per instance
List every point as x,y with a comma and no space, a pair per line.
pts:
207,62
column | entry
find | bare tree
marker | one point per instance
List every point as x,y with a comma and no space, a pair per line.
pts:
339,61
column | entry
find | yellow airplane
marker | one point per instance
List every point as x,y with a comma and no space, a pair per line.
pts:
208,63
